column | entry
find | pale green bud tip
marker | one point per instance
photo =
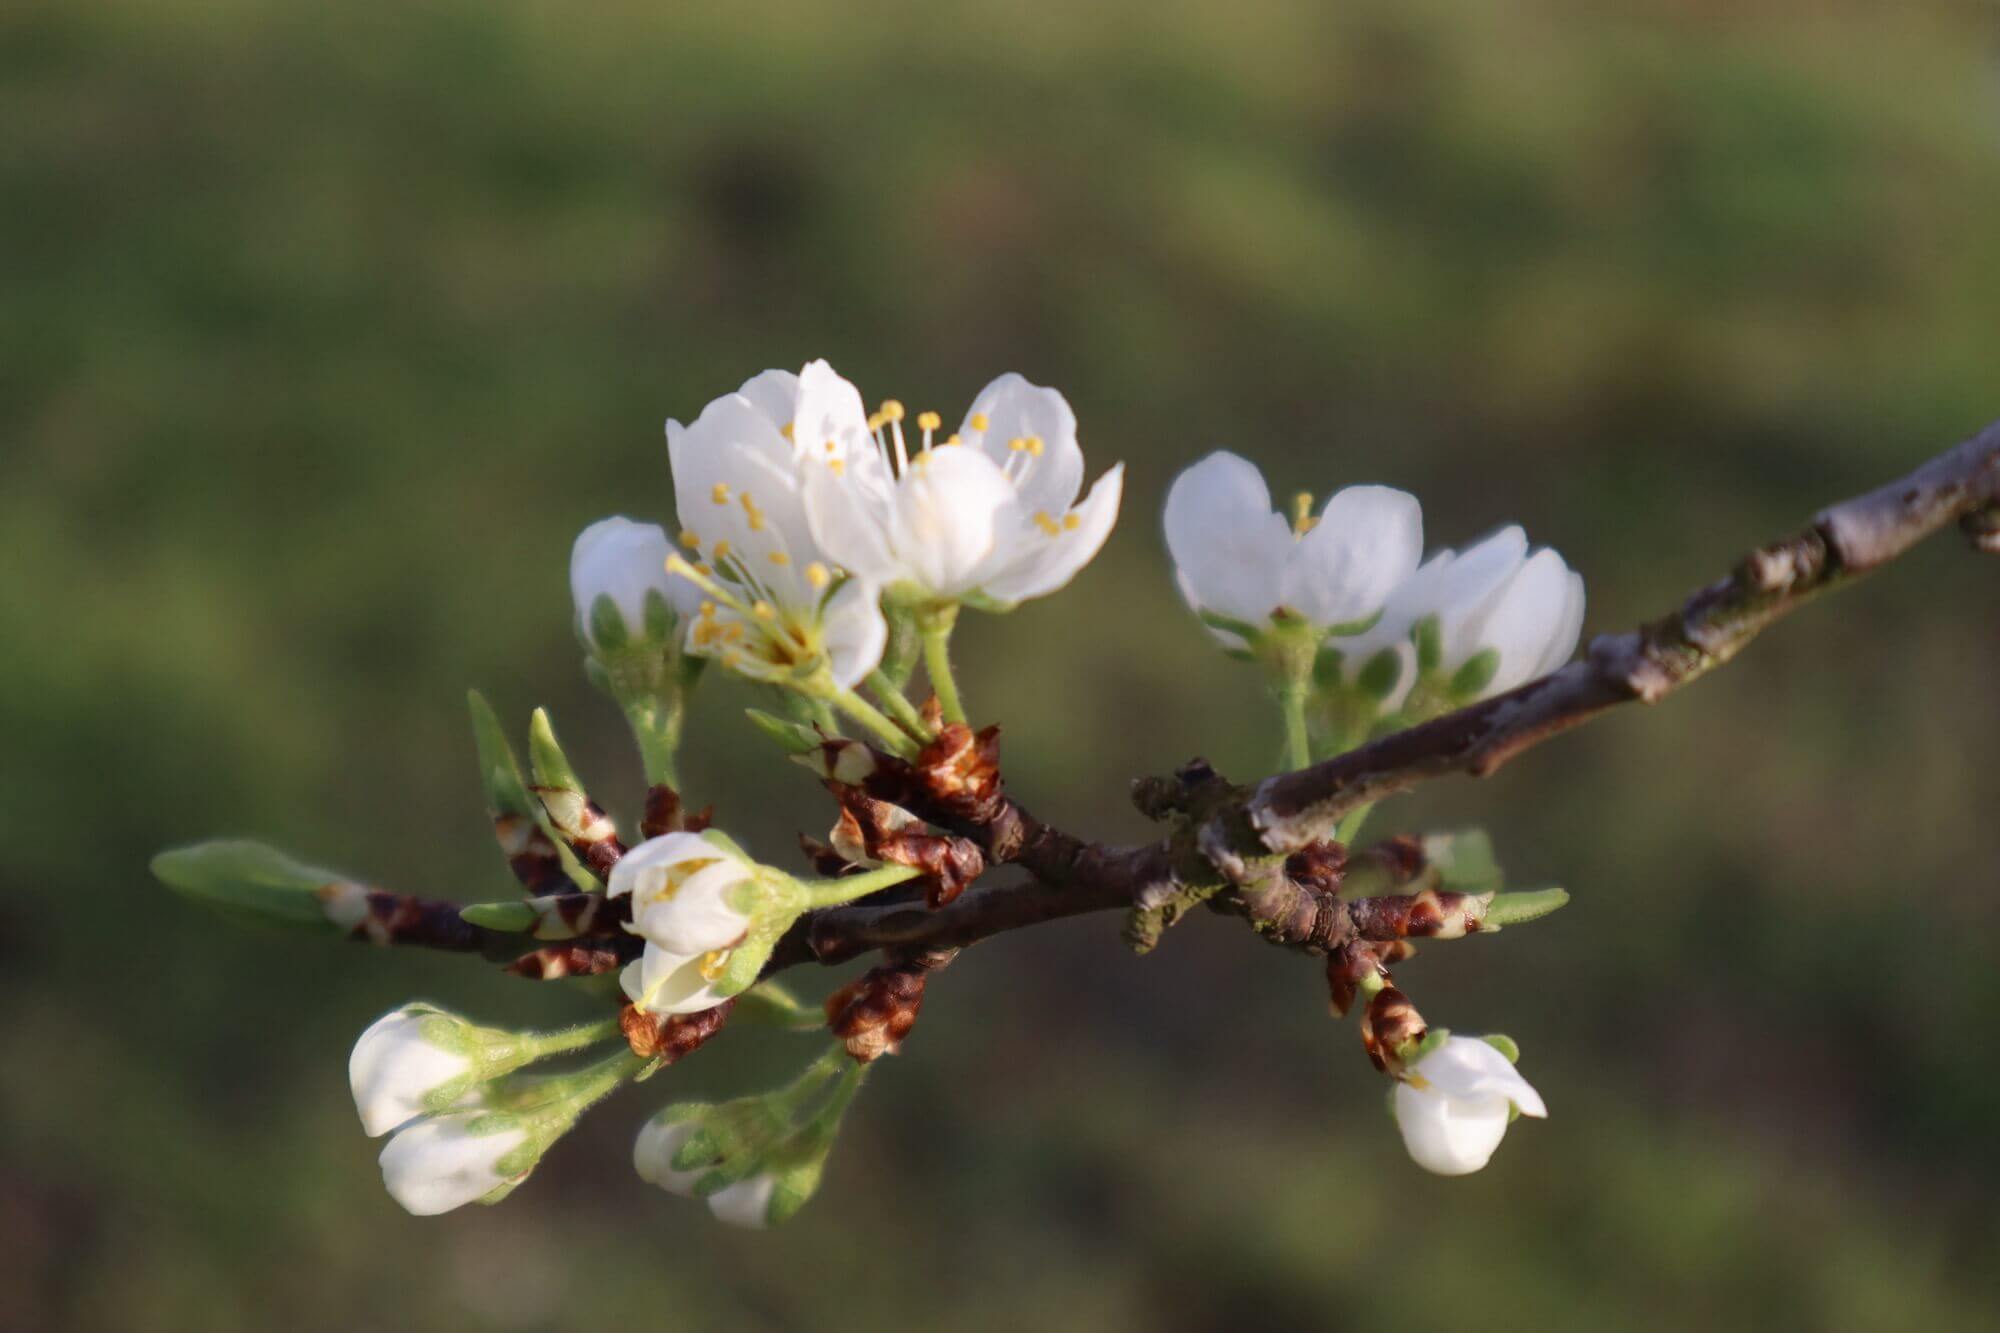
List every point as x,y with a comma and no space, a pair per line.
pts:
511,918
545,755
1514,909
250,879
793,737
499,770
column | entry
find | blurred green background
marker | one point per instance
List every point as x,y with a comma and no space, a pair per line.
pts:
325,328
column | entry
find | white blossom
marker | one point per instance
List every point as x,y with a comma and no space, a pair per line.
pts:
989,511
777,606
1453,1105
627,562
395,1069
1238,559
446,1161
687,904
653,1155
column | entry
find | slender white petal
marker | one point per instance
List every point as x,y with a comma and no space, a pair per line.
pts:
950,508
394,1068
1053,559
829,411
747,1203
1367,541
439,1164
653,1156
1527,619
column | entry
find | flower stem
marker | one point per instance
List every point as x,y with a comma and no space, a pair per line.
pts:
868,715
935,625
899,706
573,1038
834,892
1350,827
1298,740
656,725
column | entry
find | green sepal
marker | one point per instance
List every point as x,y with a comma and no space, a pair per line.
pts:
1347,629
1380,674
1242,629
658,617
792,737
1504,1044
252,881
770,1004
1477,673
1431,1040
1428,635
608,631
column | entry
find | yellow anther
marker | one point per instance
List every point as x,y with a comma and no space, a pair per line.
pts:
832,448
1045,523
704,570
720,494
786,429
891,410
929,421
1302,519
1071,522
837,465
953,439
779,558
752,512
1019,444
732,632
763,610
721,552
1034,444
818,575
712,963
877,420
707,610
978,421
689,540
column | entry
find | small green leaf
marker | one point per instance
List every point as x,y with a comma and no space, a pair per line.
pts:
513,918
250,879
1516,909
792,737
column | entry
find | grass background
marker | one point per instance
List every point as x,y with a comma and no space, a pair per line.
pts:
326,328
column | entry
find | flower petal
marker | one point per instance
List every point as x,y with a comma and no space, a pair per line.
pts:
1535,616
829,411
855,631
950,506
436,1165
1053,560
1014,409
747,1203
1228,545
1367,541
653,1156
1449,1136
775,393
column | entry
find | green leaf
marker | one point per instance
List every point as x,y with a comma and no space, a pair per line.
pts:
514,918
792,737
1465,860
252,880
499,770
1516,909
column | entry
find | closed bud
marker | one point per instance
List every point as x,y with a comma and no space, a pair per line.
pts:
444,1162
1454,1103
624,595
709,915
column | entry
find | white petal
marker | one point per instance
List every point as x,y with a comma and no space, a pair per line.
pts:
1015,409
653,1156
1229,546
668,983
1529,619
948,508
850,516
775,393
667,850
1466,1067
623,560
732,451
747,1203
829,411
1052,561
1367,541
1448,1136
698,917
1562,644
855,631
436,1165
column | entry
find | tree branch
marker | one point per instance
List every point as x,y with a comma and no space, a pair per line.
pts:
1229,836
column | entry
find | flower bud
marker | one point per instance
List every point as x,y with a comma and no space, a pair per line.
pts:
1454,1103
447,1161
709,915
618,577
399,1069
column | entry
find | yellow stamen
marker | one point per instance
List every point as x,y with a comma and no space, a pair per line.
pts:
929,421
721,551
1071,522
763,610
832,448
817,575
977,421
689,540
837,466
953,439
1045,523
708,610
752,512
720,494
779,558
786,429
1034,445
1302,519
1019,444
877,420
891,410
712,963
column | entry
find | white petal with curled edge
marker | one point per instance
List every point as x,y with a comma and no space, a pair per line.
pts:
855,631
653,1156
1051,562
829,411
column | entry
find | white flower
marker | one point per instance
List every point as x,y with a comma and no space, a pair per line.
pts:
777,607
653,1156
627,562
989,511
1240,560
447,1161
1454,1104
685,903
1496,613
395,1069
